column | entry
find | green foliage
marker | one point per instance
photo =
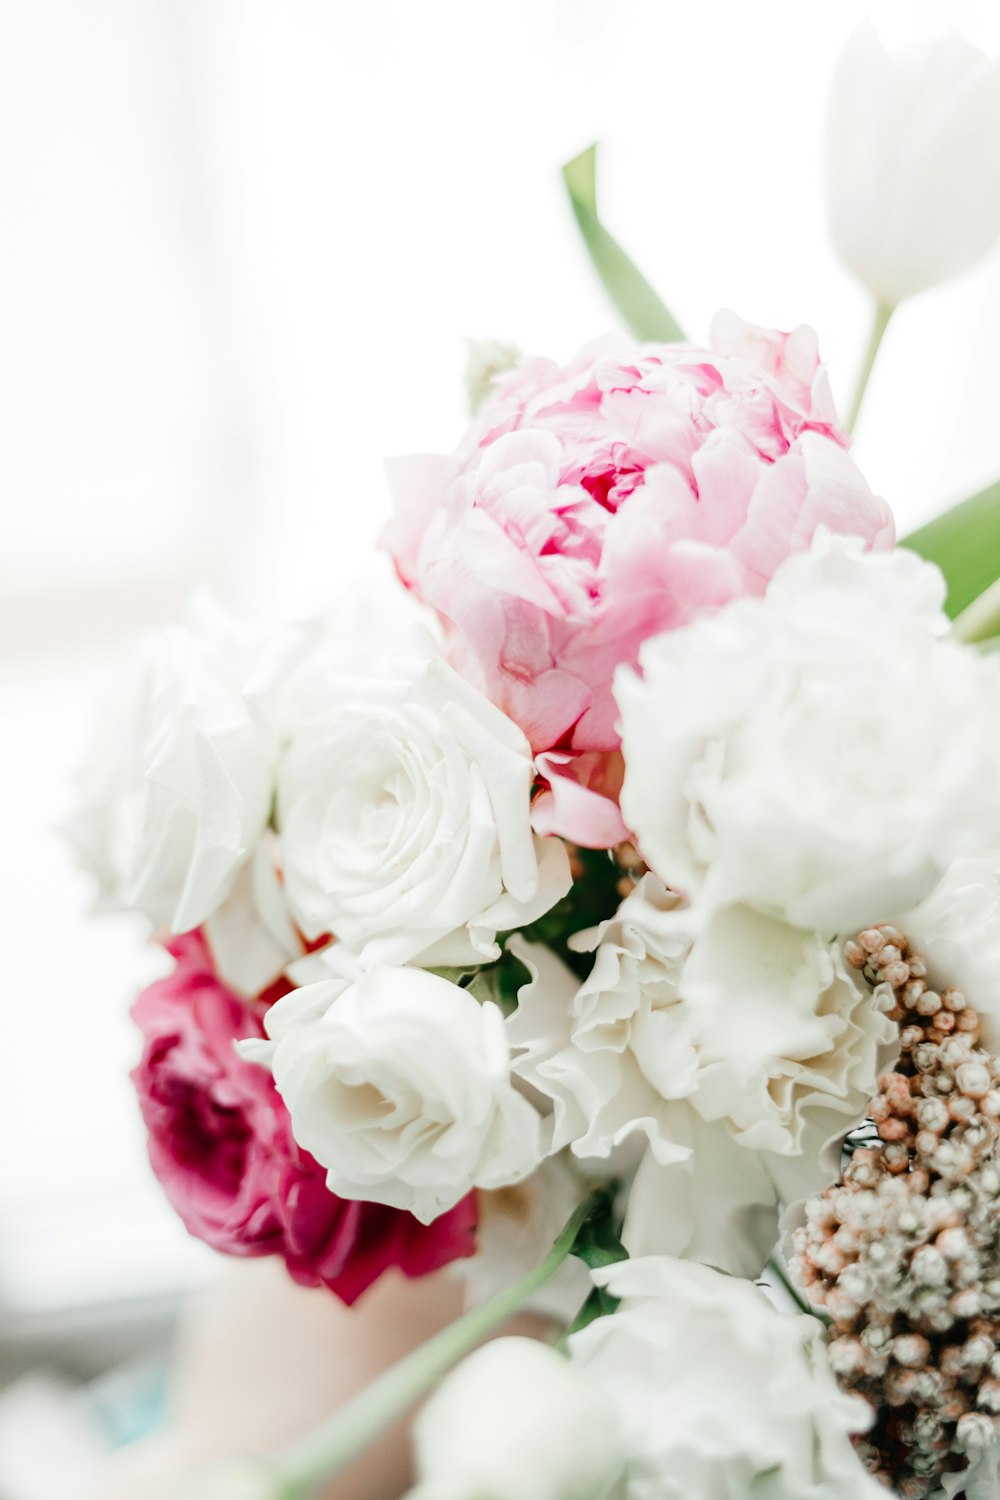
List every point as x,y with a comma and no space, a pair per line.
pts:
965,544
593,898
643,311
597,1243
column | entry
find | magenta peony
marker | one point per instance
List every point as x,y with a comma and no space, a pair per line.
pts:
220,1142
594,505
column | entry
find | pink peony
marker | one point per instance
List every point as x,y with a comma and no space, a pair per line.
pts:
592,506
220,1142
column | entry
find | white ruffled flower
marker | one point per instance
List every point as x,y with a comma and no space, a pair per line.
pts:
404,811
913,161
176,790
717,1393
747,1021
515,1421
822,753
398,1082
742,1052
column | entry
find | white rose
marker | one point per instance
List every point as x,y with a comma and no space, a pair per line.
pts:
399,1084
913,161
515,1421
717,1393
822,753
404,812
176,790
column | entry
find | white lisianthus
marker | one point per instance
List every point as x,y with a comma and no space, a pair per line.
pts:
913,161
717,1393
176,790
821,754
398,1082
516,1421
404,810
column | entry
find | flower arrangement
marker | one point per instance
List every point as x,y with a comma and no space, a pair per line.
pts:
608,906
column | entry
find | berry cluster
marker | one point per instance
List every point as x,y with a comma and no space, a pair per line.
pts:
902,1253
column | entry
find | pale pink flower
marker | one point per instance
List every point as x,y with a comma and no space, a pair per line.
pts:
594,505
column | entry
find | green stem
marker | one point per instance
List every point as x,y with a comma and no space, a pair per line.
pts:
295,1472
778,1270
883,312
981,619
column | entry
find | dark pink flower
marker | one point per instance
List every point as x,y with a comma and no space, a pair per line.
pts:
220,1142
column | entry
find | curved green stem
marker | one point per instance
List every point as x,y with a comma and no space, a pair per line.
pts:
296,1471
980,620
883,312
778,1271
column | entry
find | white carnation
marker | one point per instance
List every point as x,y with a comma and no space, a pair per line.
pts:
717,1393
398,1082
176,790
745,1020
515,1421
404,810
822,753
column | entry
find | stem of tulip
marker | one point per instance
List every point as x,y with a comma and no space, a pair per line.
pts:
980,620
883,312
297,1471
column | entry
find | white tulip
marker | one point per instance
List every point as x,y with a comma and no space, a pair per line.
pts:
515,1421
913,161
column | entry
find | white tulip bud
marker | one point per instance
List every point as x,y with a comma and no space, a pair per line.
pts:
235,1479
913,161
516,1421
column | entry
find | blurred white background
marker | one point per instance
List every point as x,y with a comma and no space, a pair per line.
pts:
243,244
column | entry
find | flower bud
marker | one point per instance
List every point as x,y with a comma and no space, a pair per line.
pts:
515,1421
913,161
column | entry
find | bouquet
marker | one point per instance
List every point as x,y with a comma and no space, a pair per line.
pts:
608,905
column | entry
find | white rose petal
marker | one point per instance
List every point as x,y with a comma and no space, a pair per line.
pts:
822,753
404,812
399,1084
251,935
515,1421
913,161
176,790
717,1393
516,1228
957,931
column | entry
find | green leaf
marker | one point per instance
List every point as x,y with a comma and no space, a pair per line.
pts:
597,1244
965,544
643,311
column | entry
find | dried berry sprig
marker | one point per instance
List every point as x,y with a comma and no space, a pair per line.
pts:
902,1253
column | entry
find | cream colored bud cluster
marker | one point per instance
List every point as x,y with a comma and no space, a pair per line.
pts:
902,1253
